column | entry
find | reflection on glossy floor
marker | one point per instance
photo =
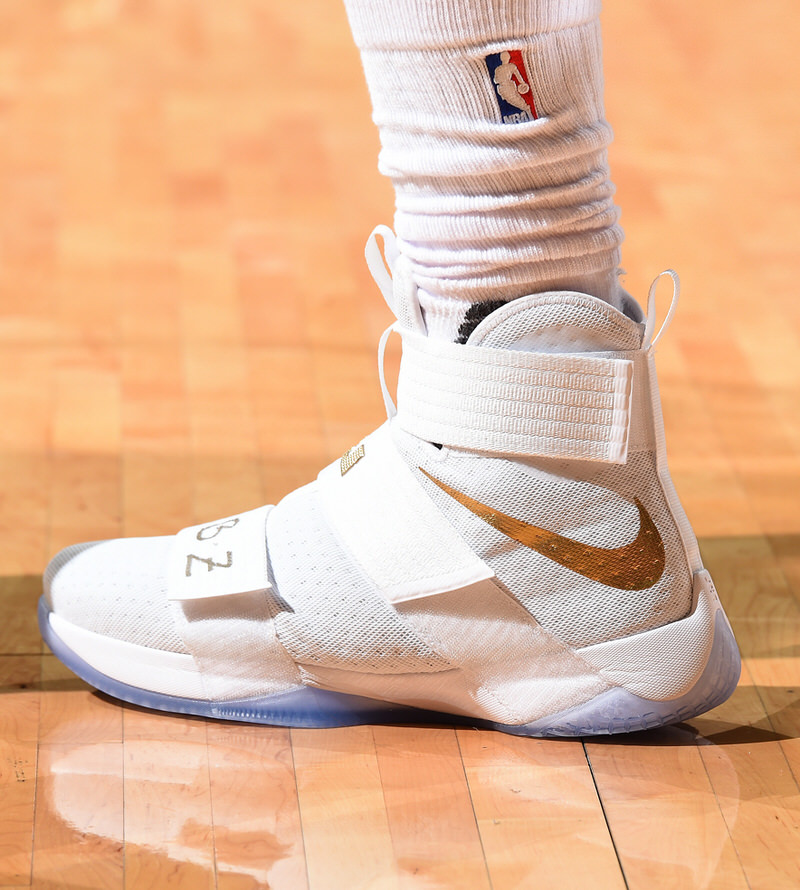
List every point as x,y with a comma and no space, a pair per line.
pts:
187,330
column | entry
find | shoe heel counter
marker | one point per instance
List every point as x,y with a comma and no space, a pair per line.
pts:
696,654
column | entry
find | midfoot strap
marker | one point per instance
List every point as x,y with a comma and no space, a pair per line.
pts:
569,406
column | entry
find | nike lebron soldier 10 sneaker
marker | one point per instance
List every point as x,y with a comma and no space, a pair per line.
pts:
507,549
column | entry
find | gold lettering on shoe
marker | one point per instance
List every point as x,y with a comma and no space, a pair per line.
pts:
351,458
635,566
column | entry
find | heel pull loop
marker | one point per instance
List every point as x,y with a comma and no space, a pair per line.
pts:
388,402
650,341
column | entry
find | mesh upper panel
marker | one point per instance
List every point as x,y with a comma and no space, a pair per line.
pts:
339,619
597,509
116,588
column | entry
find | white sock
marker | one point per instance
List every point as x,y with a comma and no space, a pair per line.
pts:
493,204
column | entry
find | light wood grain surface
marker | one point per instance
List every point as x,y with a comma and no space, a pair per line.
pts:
187,330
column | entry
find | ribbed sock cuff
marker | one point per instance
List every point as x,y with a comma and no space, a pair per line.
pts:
429,24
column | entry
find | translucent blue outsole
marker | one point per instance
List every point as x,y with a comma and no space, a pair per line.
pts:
614,711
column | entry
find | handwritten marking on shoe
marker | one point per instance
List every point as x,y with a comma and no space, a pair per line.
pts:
218,527
208,562
215,528
635,566
351,458
223,558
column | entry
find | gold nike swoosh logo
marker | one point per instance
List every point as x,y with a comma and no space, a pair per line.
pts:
635,566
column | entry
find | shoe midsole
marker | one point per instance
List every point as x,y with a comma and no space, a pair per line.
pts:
170,673
657,665
616,710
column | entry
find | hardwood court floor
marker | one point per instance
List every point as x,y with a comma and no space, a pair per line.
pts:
187,330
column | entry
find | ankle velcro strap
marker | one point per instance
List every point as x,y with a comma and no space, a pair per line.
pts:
568,406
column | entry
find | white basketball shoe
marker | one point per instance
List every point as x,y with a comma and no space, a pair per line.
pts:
508,549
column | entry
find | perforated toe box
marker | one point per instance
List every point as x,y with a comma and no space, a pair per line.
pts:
116,588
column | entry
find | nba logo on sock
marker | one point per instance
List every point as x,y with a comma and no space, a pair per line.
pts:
512,86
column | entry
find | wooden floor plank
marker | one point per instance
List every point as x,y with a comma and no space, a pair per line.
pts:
19,631
168,826
257,836
25,464
663,812
748,767
79,794
26,482
79,812
19,732
434,833
348,841
541,823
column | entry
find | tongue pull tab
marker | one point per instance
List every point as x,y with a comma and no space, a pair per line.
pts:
558,322
381,263
392,273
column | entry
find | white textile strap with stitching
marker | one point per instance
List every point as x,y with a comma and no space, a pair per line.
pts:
569,406
221,558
